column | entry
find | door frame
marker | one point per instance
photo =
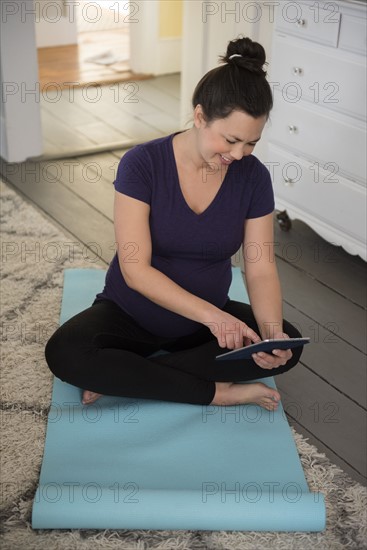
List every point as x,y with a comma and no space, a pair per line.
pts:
20,113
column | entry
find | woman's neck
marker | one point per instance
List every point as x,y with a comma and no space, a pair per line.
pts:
186,150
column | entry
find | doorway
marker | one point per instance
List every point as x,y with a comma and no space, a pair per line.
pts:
66,120
103,38
101,54
87,84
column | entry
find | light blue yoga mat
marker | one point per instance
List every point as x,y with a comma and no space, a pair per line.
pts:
124,463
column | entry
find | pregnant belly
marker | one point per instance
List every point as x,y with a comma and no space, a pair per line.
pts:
210,282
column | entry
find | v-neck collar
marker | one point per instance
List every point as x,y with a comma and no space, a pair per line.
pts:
177,182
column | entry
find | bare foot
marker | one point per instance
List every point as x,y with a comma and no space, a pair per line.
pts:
90,397
229,393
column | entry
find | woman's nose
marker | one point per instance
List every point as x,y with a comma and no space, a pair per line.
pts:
238,151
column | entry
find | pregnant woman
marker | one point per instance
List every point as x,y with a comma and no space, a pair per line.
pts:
184,205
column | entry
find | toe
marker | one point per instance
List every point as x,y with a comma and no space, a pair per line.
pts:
90,397
275,397
269,404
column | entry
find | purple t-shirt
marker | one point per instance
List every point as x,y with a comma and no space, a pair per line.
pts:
194,250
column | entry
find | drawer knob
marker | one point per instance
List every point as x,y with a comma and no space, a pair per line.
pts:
297,70
300,22
292,129
288,182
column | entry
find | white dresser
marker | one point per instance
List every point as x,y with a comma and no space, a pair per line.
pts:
316,135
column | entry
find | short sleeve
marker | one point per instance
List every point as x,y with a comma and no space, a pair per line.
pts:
133,177
262,198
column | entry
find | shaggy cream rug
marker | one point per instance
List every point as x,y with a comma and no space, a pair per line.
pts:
34,254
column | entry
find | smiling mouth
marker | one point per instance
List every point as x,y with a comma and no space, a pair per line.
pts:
227,160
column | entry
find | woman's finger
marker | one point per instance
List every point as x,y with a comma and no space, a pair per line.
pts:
260,361
283,354
266,361
250,334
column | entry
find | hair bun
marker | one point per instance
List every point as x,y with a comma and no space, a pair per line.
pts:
246,54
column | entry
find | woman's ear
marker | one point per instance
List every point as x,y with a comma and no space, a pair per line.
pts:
199,119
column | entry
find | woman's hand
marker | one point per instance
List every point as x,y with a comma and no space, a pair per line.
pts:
277,358
230,332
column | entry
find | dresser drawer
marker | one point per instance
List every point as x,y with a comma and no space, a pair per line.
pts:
309,21
334,81
353,34
318,192
317,135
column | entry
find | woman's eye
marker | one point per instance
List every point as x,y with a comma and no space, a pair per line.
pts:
230,141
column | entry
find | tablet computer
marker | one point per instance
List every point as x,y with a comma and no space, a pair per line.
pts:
265,345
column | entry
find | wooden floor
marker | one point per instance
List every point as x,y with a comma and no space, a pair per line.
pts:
71,66
95,118
323,286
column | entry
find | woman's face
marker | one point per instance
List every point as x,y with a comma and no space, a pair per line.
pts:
227,139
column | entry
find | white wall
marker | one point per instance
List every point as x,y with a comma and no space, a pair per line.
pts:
56,23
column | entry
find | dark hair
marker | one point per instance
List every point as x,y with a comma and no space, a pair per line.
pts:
240,84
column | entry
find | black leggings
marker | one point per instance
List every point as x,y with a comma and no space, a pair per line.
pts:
102,349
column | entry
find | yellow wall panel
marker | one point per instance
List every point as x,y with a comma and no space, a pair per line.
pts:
170,18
